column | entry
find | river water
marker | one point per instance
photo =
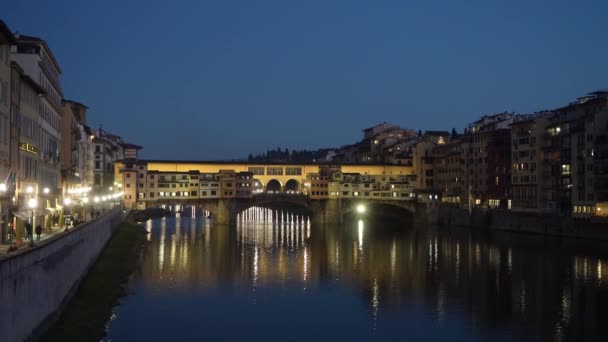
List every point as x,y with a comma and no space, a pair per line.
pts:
275,276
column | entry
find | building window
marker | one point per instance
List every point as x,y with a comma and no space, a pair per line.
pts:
256,170
293,171
193,193
151,195
274,171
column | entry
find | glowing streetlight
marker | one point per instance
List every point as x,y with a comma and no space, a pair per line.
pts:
66,201
360,208
29,189
32,203
46,191
2,187
85,200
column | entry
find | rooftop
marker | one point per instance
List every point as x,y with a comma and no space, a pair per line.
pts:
24,40
7,34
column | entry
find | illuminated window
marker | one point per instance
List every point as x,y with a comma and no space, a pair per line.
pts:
566,169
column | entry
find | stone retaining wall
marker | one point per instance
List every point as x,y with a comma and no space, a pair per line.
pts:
36,282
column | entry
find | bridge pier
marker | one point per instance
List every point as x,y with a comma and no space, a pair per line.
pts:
225,211
327,211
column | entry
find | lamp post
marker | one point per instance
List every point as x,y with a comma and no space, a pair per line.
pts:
46,192
2,194
32,203
85,200
66,201
30,191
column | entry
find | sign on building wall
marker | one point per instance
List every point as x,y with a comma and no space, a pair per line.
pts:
29,148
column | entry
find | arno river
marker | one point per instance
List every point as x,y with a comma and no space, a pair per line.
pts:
270,278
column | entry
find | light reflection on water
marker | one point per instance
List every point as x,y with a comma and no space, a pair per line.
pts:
274,273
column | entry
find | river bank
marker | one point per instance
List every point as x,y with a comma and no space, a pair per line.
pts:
528,223
87,313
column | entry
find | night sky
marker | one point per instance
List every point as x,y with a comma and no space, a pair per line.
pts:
221,79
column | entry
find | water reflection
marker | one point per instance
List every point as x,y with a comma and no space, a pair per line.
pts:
491,287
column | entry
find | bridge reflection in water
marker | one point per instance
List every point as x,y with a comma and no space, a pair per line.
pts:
366,279
268,228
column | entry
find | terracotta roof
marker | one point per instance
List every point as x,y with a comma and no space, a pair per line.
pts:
76,103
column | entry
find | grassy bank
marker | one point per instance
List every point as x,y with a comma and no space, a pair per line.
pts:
87,313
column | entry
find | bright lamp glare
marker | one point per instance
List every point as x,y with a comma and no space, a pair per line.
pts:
67,201
32,203
360,208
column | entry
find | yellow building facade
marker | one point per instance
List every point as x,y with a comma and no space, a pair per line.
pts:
138,181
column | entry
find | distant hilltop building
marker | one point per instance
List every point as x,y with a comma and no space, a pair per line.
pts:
382,143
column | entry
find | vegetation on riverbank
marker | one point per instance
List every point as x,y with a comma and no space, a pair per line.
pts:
86,315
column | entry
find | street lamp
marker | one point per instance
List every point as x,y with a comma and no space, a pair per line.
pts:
46,191
66,201
3,191
32,203
360,208
85,200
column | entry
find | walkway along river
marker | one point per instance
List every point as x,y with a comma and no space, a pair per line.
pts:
275,275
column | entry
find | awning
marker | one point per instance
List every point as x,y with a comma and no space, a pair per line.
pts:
23,215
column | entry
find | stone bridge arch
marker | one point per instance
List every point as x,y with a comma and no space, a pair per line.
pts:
258,186
401,210
297,203
292,186
274,186
210,205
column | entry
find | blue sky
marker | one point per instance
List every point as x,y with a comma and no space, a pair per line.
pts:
221,79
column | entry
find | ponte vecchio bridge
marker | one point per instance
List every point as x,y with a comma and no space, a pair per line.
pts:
227,188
